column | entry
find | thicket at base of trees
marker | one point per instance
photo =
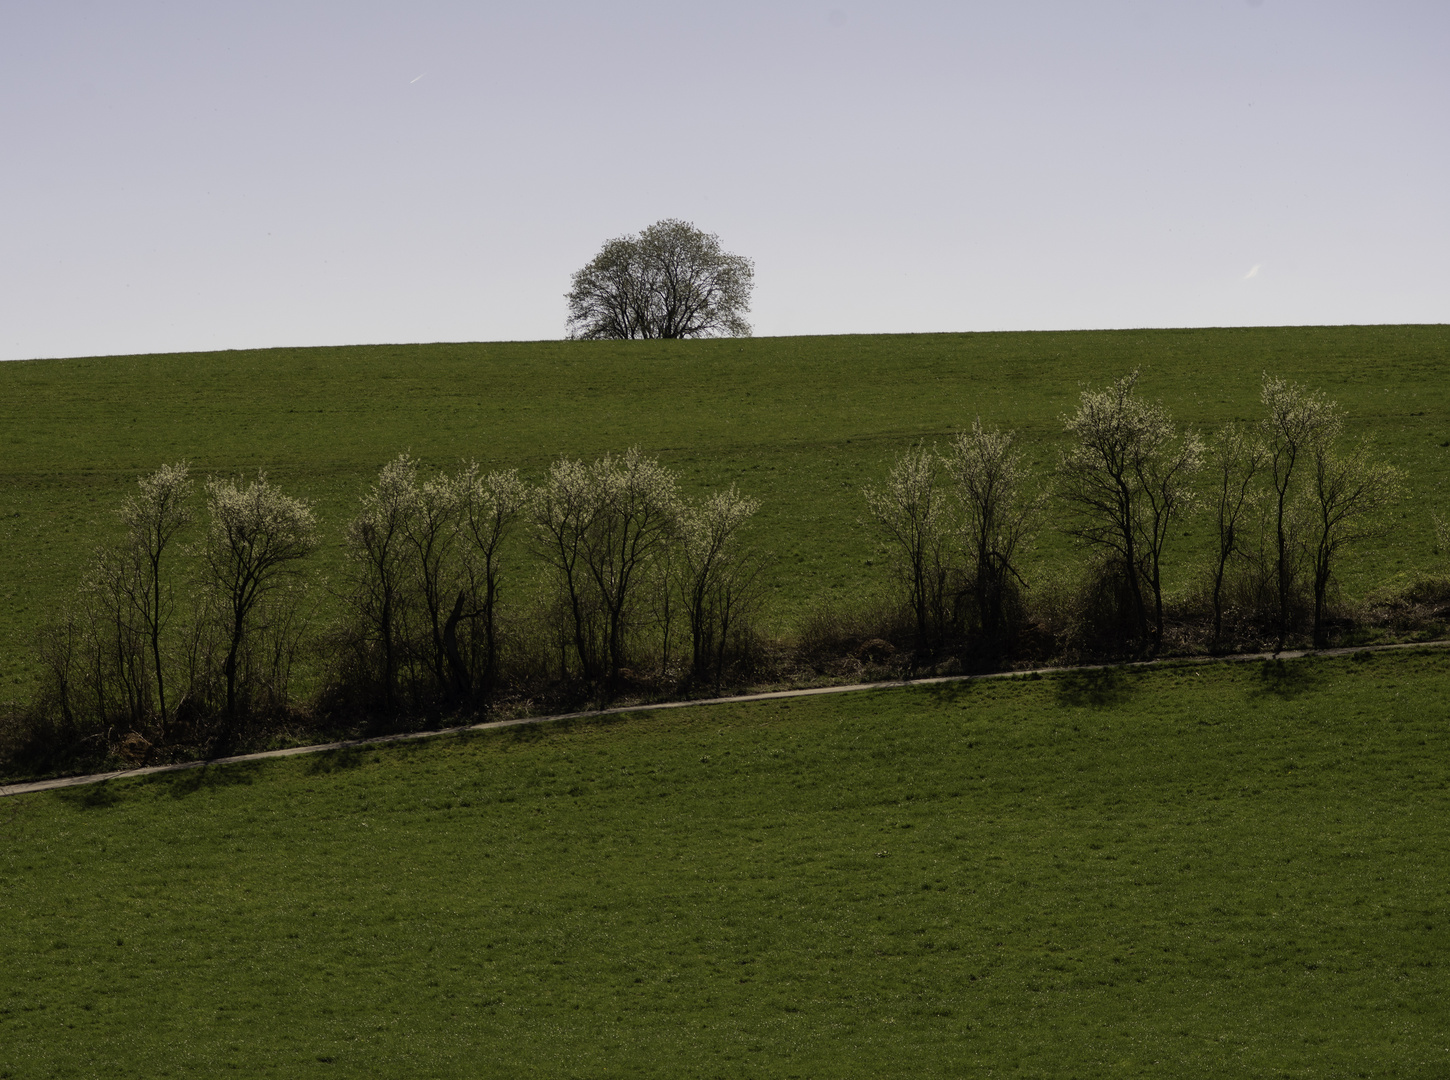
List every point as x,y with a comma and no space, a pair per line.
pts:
183,642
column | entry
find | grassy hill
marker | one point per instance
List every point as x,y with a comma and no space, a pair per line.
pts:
1205,871
800,423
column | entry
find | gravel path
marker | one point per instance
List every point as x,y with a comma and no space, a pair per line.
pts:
122,774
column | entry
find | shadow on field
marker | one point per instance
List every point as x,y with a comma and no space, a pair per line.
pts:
208,777
10,819
533,733
949,693
1094,689
90,797
334,761
1285,678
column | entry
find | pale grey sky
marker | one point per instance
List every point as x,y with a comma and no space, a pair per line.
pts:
199,175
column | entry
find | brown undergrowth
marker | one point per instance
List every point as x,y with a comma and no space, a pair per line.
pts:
871,640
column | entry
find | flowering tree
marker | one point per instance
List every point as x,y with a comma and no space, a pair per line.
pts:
1235,458
153,517
1300,423
911,511
1350,490
1126,478
255,539
998,517
488,507
717,575
600,526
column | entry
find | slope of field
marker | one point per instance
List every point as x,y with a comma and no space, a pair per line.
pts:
800,423
1211,871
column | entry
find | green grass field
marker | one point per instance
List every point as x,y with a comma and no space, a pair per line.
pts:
1219,871
800,423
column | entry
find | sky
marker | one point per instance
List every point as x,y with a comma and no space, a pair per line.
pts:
195,175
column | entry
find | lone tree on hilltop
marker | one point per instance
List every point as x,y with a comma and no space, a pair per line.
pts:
670,281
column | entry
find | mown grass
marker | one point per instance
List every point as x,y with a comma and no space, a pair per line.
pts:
800,423
1219,871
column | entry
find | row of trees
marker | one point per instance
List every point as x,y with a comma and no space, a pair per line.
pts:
188,630
622,552
121,654
206,628
1286,495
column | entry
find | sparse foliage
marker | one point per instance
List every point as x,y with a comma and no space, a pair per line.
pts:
488,508
112,597
376,540
911,510
1299,422
638,509
717,576
563,510
427,567
1350,489
670,281
1235,457
255,539
154,516
1126,480
999,517
430,535
145,654
600,526
105,655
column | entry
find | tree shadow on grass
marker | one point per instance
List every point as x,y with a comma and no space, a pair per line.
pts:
534,733
538,732
11,819
1096,689
1285,678
333,761
178,784
208,777
90,796
952,693
521,733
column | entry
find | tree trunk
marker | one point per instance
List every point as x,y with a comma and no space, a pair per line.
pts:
1321,589
390,663
230,668
155,629
1135,585
1157,583
1218,603
1282,543
462,684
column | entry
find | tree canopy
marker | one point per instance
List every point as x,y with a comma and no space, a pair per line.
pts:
670,281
